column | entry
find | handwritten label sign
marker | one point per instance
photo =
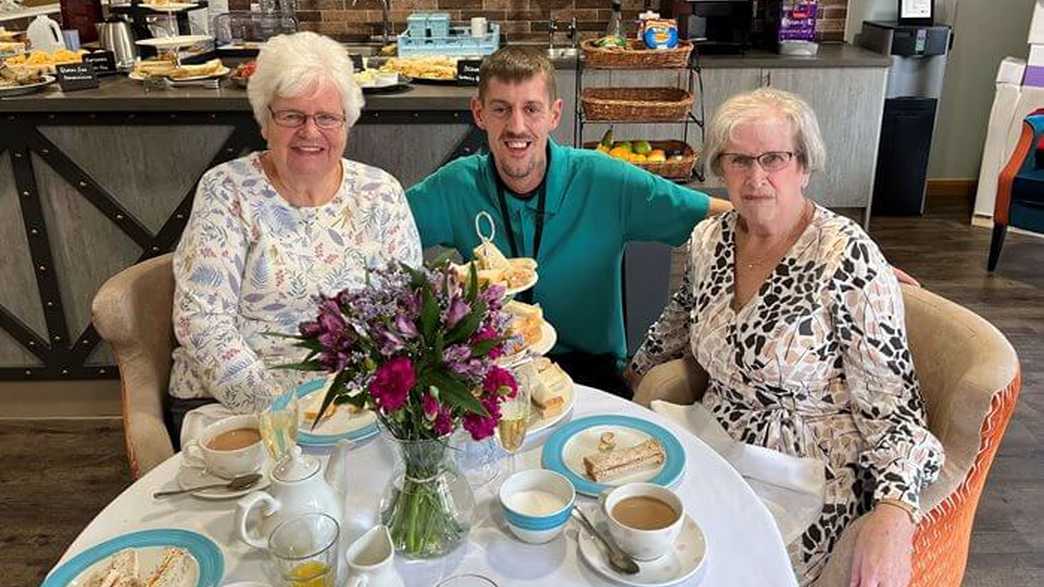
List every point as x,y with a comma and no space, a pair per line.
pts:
104,62
76,76
468,71
357,62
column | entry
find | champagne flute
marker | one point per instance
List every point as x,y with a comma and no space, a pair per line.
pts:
514,413
279,423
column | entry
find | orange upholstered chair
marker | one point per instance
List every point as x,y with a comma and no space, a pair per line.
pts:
970,379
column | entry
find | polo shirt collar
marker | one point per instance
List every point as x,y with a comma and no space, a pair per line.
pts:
554,178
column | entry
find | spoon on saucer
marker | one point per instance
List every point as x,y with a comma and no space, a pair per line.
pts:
619,560
237,484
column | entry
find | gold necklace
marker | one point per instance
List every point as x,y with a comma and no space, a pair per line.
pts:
806,216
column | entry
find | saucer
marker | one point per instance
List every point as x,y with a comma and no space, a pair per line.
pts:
687,559
195,477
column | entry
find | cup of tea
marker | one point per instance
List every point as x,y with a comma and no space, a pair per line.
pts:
227,448
644,519
536,504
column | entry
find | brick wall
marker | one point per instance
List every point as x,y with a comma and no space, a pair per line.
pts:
520,20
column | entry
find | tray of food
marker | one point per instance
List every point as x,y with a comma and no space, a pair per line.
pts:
19,83
424,70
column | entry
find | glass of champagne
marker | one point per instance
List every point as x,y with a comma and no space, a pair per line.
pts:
279,423
514,413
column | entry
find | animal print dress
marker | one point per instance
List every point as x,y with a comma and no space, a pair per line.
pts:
815,365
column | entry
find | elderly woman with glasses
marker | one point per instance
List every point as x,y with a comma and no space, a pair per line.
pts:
797,320
273,229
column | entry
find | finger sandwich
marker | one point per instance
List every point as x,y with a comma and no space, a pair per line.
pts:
603,466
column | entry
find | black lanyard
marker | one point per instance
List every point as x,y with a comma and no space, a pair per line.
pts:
526,296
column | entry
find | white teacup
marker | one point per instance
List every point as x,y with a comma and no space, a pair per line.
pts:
643,544
227,464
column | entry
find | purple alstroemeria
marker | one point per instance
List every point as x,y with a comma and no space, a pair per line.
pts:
456,312
310,329
406,327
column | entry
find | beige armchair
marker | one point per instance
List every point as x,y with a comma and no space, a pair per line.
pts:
970,379
132,311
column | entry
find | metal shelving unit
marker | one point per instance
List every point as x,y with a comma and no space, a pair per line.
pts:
690,75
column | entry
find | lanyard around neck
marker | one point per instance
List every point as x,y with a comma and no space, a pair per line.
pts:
505,216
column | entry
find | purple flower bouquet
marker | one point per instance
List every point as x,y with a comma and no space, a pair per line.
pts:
419,349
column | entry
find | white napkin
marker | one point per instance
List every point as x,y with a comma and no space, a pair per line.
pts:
791,487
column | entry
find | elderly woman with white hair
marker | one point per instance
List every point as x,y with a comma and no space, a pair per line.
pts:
271,230
797,320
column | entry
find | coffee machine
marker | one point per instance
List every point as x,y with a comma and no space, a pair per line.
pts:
715,26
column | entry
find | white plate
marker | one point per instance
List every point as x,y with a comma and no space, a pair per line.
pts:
541,346
172,7
685,560
174,42
537,424
586,442
148,559
196,476
511,291
341,423
27,88
134,75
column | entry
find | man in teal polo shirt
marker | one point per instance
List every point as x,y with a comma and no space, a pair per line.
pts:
573,210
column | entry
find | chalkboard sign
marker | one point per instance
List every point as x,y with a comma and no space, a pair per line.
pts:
357,62
104,62
468,71
76,76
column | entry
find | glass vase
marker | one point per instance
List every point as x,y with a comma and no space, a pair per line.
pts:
428,503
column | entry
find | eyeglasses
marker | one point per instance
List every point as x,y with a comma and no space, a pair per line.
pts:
769,161
296,119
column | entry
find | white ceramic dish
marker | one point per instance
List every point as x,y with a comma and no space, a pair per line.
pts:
687,559
174,42
196,477
537,424
27,88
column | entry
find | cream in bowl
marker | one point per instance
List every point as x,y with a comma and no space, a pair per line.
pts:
536,504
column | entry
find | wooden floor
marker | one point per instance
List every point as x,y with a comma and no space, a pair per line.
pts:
55,476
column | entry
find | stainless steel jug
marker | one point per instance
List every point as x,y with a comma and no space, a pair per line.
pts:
115,35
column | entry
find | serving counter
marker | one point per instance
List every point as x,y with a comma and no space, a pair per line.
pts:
95,180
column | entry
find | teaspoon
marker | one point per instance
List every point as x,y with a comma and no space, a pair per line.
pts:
619,560
236,484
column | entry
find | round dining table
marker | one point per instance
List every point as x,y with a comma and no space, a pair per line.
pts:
744,546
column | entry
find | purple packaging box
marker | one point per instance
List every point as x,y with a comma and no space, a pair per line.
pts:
798,20
1034,76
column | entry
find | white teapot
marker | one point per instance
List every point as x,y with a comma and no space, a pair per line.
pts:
298,487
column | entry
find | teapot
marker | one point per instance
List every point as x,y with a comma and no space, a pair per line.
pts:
298,487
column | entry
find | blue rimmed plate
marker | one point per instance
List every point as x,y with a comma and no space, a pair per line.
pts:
150,544
566,448
341,425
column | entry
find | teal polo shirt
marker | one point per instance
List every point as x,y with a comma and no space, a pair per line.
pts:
594,205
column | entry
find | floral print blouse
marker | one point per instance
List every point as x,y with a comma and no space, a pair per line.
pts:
249,264
815,365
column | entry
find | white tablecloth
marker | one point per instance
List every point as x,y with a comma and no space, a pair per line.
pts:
744,545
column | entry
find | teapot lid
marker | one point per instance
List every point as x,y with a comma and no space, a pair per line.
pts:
295,466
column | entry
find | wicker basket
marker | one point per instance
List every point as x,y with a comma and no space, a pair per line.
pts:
670,169
636,103
635,56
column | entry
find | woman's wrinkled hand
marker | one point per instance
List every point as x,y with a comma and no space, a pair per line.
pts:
883,550
904,277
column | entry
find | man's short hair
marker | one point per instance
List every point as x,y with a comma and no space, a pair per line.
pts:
515,64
